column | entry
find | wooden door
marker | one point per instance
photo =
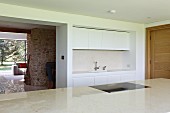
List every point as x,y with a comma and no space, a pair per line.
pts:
160,53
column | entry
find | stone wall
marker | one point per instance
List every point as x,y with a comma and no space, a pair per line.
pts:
42,48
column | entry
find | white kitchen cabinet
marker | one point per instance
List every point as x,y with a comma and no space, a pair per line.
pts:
83,81
108,40
99,80
95,39
80,38
91,79
113,79
114,40
128,77
122,40
100,39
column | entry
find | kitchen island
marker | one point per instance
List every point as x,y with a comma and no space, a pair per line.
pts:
89,100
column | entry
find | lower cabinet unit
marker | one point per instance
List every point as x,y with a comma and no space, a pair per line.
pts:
128,77
99,80
113,79
83,81
105,78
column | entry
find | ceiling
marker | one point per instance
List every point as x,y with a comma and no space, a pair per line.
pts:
140,11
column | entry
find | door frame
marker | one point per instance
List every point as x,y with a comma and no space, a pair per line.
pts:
148,48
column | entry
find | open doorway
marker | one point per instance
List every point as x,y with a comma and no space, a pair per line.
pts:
25,50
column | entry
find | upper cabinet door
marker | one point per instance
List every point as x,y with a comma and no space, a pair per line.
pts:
113,40
95,39
80,38
108,40
100,39
122,40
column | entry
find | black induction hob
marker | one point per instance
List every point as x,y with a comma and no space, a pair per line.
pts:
109,88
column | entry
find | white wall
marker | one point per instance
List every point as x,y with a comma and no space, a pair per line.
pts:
61,50
24,14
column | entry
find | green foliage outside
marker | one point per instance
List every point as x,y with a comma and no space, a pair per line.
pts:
12,51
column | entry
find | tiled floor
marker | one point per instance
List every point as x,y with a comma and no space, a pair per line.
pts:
16,83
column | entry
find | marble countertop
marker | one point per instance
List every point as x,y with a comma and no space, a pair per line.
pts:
88,100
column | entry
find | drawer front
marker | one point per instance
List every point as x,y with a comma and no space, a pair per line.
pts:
84,81
101,80
128,77
114,79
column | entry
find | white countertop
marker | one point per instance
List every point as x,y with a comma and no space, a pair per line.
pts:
88,100
102,71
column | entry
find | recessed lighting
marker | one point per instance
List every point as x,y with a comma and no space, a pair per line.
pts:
112,11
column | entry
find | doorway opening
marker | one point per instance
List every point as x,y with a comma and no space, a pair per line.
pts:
25,48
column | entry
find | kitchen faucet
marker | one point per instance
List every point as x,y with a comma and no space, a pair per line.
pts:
96,68
104,68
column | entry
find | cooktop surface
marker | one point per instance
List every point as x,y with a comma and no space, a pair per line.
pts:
109,88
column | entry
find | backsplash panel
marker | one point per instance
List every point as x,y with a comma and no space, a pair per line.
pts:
83,60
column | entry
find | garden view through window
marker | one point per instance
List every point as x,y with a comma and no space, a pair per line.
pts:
12,52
